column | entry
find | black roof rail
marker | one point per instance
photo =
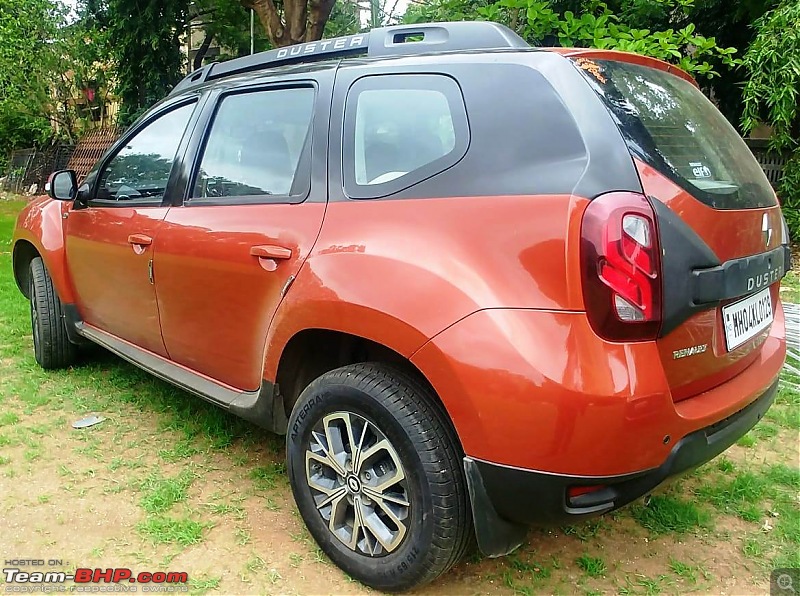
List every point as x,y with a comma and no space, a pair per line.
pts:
397,40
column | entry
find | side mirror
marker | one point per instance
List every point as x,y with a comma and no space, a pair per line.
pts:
63,185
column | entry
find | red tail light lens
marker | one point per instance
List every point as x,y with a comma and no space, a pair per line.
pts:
621,266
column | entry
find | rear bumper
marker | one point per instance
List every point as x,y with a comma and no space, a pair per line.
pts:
505,499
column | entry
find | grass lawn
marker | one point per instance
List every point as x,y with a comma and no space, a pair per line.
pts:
790,287
171,483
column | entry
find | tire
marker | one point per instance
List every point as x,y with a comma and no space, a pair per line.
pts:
427,494
51,346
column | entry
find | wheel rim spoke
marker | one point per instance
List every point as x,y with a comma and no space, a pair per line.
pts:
358,483
378,496
320,446
359,447
335,442
333,495
388,538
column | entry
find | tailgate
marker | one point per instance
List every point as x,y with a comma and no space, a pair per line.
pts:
721,230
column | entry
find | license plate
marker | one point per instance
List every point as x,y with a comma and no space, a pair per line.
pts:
747,318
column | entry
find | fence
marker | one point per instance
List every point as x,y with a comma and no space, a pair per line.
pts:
29,167
771,163
91,148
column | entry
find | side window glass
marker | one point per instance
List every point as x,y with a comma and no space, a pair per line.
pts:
141,169
400,130
256,143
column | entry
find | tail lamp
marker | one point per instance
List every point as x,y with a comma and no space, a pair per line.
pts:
621,264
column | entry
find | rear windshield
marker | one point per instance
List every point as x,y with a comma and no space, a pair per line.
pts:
670,125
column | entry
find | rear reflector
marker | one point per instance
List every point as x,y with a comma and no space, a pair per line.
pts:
577,491
621,264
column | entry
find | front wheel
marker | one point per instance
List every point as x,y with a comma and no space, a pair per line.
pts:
376,471
51,346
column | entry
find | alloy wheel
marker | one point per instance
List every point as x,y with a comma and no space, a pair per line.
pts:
358,483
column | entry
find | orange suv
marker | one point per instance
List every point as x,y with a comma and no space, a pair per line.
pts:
477,285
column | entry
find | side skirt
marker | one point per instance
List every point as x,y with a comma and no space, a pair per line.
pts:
263,407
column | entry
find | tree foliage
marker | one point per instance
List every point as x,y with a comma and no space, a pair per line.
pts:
591,23
46,64
227,25
146,50
772,91
23,28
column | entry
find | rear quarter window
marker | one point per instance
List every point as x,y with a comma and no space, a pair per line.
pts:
669,124
400,130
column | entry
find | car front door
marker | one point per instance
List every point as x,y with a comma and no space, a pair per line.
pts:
110,237
250,217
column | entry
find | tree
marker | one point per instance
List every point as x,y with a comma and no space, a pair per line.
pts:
771,95
345,19
545,22
730,23
45,64
24,28
227,24
292,21
146,50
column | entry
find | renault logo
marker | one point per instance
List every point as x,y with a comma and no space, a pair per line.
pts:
766,230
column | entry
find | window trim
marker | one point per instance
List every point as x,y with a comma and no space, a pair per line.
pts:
134,130
443,83
305,161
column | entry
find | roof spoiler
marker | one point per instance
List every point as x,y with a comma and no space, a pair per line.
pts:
398,40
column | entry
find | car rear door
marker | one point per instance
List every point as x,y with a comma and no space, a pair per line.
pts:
110,237
253,209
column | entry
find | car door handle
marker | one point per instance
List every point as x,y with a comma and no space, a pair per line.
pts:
139,242
269,254
270,251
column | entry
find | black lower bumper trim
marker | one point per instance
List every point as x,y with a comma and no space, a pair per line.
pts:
506,499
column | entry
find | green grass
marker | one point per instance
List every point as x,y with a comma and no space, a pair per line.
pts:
203,583
183,449
666,514
785,412
165,530
747,441
685,571
586,530
790,287
532,569
765,496
160,494
740,495
592,566
267,477
8,418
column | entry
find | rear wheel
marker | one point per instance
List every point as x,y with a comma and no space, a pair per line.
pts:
51,346
376,471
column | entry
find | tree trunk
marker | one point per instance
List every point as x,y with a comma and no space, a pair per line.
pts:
302,20
202,51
